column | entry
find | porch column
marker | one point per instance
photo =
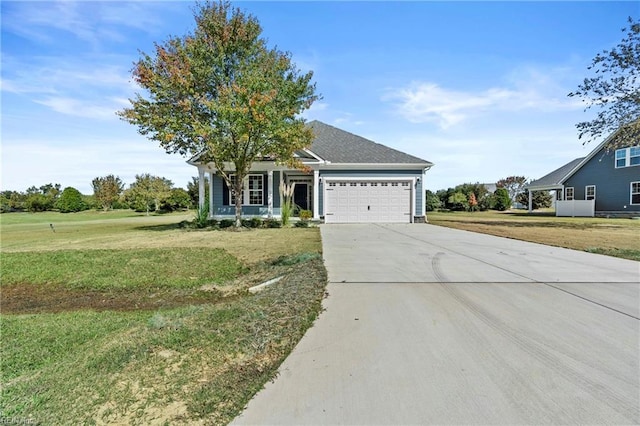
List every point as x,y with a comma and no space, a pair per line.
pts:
316,191
211,194
530,201
200,187
270,193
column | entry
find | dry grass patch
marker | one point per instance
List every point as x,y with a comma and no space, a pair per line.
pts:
617,237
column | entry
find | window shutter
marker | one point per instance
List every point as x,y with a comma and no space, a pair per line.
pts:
265,190
225,193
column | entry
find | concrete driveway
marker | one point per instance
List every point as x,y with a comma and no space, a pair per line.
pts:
429,325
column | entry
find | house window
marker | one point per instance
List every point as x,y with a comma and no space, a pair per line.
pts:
255,190
252,191
568,193
590,192
635,192
627,157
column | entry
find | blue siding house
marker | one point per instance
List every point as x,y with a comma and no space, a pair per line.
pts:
604,183
346,179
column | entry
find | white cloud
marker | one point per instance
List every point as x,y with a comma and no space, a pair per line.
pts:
88,21
527,89
81,108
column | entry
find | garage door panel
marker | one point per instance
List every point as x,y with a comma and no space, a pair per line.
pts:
368,202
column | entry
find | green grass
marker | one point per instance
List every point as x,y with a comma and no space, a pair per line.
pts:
127,368
198,361
55,217
121,269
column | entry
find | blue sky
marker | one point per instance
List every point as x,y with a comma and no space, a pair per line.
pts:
478,88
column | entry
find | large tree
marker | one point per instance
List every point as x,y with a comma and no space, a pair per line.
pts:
148,192
513,184
222,94
107,190
614,88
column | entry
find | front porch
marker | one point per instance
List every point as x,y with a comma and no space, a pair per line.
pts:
261,195
565,203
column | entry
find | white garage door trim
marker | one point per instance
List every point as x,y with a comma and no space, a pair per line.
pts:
357,213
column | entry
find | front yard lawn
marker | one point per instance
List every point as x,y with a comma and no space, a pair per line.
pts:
613,237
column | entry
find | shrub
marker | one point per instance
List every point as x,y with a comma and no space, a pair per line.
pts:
301,224
202,217
37,203
227,223
272,223
502,201
458,201
71,200
253,222
305,214
287,206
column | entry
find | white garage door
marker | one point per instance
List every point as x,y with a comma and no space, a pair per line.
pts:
367,201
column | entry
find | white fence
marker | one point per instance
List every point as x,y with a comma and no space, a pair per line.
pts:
576,208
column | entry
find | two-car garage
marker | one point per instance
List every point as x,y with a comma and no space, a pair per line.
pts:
368,200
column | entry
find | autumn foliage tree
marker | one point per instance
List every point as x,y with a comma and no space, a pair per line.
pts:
513,184
148,192
221,93
107,190
614,89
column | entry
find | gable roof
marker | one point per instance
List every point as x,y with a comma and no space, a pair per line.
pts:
556,177
339,146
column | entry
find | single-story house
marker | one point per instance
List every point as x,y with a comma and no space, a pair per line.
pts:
348,179
604,183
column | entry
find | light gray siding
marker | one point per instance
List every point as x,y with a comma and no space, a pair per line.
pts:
612,185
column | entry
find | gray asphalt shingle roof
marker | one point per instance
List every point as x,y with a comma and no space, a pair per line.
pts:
556,177
339,146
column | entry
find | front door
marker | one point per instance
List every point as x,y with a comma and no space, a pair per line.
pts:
301,196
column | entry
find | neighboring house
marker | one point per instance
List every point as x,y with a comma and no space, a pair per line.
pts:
604,183
348,179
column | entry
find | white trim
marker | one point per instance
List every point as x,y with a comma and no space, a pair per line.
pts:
410,180
631,193
246,192
270,193
201,196
586,192
316,193
211,194
314,155
627,157
376,166
573,193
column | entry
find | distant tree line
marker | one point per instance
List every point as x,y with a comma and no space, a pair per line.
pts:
147,193
477,197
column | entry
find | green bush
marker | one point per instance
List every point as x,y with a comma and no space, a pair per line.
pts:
201,220
227,223
254,222
305,214
301,224
502,201
71,200
433,202
178,199
272,223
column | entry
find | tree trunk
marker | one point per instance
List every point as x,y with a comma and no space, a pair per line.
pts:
238,189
